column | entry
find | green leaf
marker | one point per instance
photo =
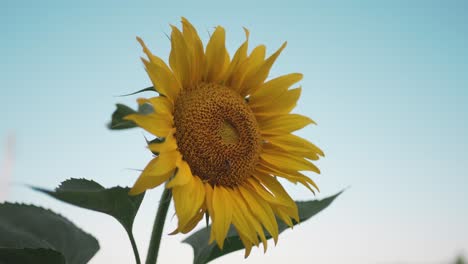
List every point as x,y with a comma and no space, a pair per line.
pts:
31,256
118,122
204,252
28,232
91,195
147,89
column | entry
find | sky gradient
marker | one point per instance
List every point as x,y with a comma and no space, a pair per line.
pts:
387,84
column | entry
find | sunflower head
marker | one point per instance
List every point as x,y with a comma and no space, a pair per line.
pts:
226,136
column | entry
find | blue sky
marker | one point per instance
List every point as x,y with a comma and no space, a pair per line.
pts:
385,81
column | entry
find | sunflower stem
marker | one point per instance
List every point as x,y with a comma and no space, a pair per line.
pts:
158,226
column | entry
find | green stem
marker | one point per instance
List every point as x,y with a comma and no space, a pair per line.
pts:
158,226
134,246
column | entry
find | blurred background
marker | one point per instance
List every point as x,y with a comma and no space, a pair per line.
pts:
386,81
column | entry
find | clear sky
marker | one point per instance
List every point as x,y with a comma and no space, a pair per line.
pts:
386,81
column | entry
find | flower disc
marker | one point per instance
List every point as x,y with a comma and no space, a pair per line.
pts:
217,134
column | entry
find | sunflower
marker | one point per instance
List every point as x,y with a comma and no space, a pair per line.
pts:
224,136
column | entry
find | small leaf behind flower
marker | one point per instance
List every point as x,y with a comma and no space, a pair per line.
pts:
118,122
91,195
31,234
204,252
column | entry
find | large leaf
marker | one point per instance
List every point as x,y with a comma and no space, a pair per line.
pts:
91,195
118,122
31,256
29,233
204,252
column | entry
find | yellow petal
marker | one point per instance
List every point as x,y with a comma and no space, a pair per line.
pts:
161,76
145,183
246,66
262,211
256,58
283,124
193,222
281,105
295,144
247,245
162,105
255,79
222,207
292,212
215,56
282,159
165,162
239,57
242,223
158,170
209,207
254,227
169,144
157,124
188,200
180,58
209,199
273,89
287,208
243,227
195,45
183,175
275,187
162,82
282,214
292,176
254,185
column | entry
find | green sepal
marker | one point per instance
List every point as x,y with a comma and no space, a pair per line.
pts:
155,141
147,89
